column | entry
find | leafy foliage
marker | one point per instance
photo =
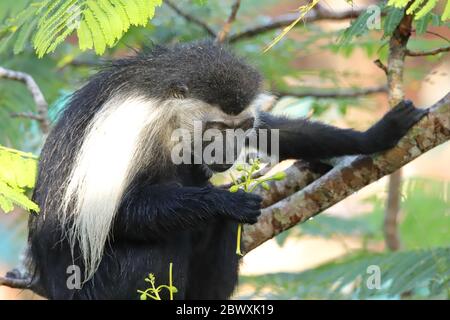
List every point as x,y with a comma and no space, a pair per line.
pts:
247,183
153,291
394,10
419,8
17,175
422,273
99,24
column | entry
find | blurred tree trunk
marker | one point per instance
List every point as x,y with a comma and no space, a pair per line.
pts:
395,68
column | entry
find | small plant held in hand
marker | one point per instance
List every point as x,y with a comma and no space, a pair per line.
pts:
247,183
153,292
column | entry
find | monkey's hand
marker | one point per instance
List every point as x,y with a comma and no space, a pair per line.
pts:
393,126
243,207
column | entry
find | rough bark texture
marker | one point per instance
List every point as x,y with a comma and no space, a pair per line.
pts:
349,176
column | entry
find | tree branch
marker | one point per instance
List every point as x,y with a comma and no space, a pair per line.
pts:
188,17
340,93
36,93
227,26
26,115
317,14
427,53
346,178
16,283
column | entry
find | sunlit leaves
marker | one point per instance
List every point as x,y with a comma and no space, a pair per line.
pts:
420,7
17,175
98,24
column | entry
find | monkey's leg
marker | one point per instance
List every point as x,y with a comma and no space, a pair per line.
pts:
300,138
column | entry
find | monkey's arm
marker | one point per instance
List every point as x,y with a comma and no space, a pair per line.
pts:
300,138
154,211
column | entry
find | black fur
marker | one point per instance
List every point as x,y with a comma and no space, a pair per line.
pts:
174,216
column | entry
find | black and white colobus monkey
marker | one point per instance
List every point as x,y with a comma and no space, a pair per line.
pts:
113,203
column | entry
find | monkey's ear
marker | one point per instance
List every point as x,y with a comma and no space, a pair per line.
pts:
178,90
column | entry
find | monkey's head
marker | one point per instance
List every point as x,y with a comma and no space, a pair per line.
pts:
210,85
206,71
199,81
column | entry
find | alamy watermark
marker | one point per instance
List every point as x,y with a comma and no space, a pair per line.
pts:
214,146
73,281
374,279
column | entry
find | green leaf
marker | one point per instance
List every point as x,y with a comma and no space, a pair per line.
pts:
356,29
103,22
97,34
446,13
99,24
84,36
17,174
24,36
430,4
393,17
422,24
414,6
234,188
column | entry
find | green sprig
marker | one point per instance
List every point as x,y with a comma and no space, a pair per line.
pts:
153,291
247,183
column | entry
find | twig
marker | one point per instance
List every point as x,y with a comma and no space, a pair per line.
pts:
340,93
26,115
38,97
227,26
396,66
189,17
381,65
427,53
282,21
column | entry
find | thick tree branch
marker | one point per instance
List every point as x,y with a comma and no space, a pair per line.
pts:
191,18
41,104
340,93
427,53
317,14
346,178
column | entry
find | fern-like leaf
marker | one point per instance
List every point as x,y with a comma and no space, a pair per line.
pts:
17,174
98,24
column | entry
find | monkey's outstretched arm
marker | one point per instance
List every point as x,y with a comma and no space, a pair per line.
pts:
300,138
154,211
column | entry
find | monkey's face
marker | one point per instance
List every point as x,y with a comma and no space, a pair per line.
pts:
215,138
224,137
